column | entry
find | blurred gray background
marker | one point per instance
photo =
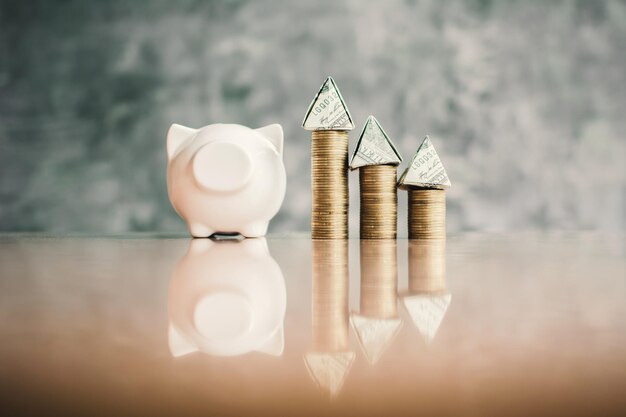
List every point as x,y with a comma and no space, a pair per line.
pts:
525,102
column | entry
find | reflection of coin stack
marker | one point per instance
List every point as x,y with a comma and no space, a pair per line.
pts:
330,360
377,322
377,160
330,121
427,266
379,279
330,295
425,179
428,300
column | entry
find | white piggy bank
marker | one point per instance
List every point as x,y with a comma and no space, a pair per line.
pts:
226,178
227,298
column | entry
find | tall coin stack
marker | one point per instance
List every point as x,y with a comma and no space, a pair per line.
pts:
425,179
377,160
329,120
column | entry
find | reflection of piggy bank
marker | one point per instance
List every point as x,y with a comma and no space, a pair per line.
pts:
227,298
226,178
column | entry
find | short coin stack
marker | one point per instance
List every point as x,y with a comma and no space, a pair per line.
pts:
377,160
426,179
330,121
427,213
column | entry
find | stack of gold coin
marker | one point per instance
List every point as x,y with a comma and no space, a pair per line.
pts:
377,160
427,213
425,179
329,184
379,202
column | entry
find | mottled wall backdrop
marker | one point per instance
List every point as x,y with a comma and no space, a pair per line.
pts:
525,101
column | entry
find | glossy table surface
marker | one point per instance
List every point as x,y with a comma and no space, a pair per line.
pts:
479,325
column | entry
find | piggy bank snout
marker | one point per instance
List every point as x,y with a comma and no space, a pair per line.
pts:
222,167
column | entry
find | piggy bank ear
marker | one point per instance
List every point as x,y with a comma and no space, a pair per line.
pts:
176,135
273,133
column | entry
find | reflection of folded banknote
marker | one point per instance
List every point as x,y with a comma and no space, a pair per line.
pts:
329,370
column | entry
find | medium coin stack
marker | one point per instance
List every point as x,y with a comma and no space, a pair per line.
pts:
329,184
379,202
377,160
427,213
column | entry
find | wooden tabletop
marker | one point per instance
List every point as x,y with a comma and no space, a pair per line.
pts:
526,324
